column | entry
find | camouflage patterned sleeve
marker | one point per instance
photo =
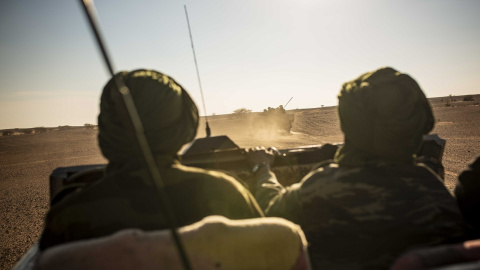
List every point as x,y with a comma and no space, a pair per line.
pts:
276,200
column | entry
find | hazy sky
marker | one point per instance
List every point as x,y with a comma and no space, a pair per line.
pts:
251,53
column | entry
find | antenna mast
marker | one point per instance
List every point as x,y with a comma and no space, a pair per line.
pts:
287,102
207,129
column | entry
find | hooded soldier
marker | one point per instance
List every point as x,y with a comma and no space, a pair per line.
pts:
126,196
372,202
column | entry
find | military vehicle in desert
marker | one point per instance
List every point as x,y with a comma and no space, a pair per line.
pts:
274,119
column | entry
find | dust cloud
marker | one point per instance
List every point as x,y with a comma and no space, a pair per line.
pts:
245,131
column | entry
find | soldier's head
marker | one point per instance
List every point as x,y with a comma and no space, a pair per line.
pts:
383,115
168,114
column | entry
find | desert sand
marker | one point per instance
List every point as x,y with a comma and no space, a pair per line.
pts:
26,160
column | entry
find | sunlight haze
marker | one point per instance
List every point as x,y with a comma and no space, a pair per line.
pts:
253,54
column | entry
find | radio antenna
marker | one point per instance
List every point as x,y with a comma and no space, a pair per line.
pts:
207,129
287,103
136,124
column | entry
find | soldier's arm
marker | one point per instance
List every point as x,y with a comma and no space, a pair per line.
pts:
273,198
246,201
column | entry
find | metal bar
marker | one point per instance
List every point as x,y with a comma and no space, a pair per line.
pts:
198,73
287,102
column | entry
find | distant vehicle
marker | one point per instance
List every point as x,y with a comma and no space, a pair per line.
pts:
274,119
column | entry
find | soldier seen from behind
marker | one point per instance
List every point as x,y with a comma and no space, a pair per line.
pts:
372,202
126,197
467,192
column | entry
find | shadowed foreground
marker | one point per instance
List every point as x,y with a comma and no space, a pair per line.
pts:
26,161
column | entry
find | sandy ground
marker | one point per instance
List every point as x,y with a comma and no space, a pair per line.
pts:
26,161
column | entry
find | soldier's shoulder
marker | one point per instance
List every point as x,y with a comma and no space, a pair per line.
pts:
82,197
213,177
330,172
203,173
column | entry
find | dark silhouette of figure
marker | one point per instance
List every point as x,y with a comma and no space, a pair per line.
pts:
372,203
467,193
126,197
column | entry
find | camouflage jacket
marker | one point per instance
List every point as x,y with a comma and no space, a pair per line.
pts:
365,217
123,200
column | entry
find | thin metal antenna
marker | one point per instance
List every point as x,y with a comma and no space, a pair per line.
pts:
137,126
287,102
198,74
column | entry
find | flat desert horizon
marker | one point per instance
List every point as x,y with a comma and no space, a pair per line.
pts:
26,160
